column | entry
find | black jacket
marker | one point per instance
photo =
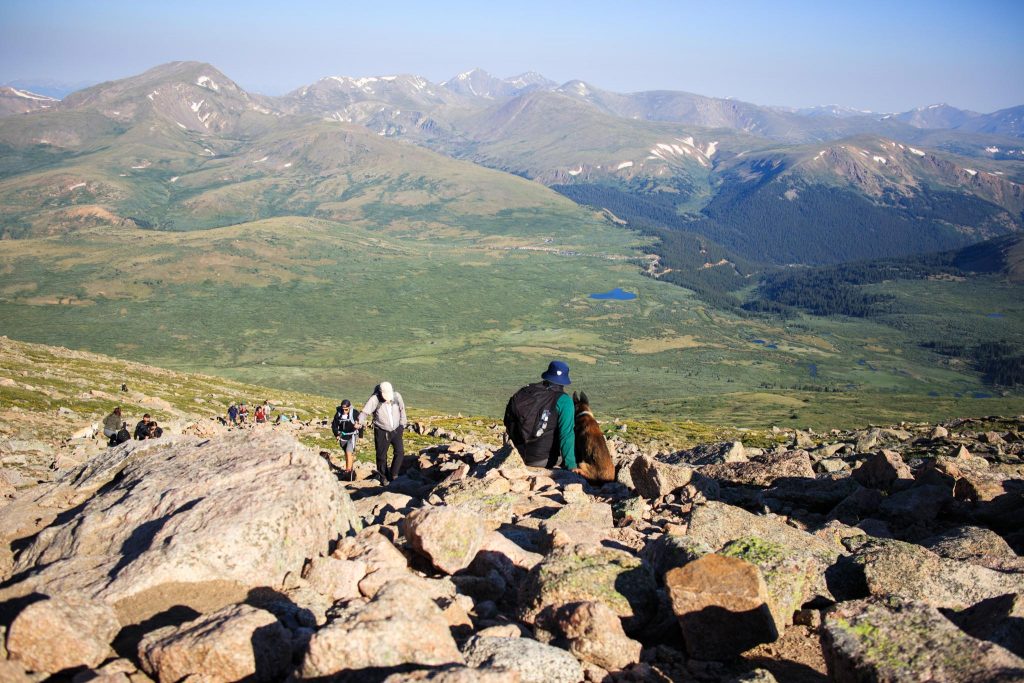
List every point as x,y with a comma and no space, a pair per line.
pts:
342,424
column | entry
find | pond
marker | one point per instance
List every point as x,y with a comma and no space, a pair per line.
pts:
615,294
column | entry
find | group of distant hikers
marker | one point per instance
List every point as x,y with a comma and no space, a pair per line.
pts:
238,414
116,429
539,420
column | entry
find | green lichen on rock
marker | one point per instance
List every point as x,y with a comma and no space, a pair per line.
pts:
787,572
754,550
597,574
903,640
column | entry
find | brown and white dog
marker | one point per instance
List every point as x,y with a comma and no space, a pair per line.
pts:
593,460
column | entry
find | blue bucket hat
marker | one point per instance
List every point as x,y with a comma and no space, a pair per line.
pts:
557,373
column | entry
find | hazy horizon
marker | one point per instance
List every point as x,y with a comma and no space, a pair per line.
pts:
872,56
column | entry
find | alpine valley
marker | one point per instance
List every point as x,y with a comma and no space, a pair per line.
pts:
810,267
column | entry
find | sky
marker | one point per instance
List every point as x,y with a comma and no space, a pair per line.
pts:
880,56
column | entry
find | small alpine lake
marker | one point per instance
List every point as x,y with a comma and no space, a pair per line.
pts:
616,294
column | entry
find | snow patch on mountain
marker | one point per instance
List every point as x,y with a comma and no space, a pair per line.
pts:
916,151
624,164
208,83
195,105
881,160
31,95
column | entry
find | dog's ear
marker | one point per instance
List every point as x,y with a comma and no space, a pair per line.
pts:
575,398
583,398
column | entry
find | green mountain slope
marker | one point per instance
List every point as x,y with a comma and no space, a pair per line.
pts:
321,256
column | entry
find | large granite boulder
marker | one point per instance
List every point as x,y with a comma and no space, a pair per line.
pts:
62,633
653,478
904,641
882,470
188,520
449,536
588,573
789,573
976,545
534,661
401,625
236,643
911,572
722,605
763,470
595,635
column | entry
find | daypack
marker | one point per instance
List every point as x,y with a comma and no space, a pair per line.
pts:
339,423
530,416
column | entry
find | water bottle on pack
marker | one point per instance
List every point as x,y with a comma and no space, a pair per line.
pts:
543,423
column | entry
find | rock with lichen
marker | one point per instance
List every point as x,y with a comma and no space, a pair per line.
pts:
906,641
788,574
589,573
722,604
912,572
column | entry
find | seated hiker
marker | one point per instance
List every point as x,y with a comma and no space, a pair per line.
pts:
346,430
142,427
387,409
120,436
111,423
155,431
260,415
540,420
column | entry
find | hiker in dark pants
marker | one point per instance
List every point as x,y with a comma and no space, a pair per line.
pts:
387,409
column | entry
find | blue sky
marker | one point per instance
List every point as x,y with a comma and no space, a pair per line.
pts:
883,56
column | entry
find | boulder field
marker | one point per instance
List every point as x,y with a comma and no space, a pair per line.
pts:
885,554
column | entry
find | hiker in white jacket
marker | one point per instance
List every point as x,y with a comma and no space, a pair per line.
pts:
387,409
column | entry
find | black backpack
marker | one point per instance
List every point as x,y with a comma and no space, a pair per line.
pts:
339,423
530,416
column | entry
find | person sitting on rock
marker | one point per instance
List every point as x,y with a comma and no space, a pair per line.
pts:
111,423
260,415
387,410
540,420
142,428
155,431
120,436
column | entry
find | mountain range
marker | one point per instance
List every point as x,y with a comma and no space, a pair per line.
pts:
716,191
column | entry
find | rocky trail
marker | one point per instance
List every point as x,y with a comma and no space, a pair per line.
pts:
882,554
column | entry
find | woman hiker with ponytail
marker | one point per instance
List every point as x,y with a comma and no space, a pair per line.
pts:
346,430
